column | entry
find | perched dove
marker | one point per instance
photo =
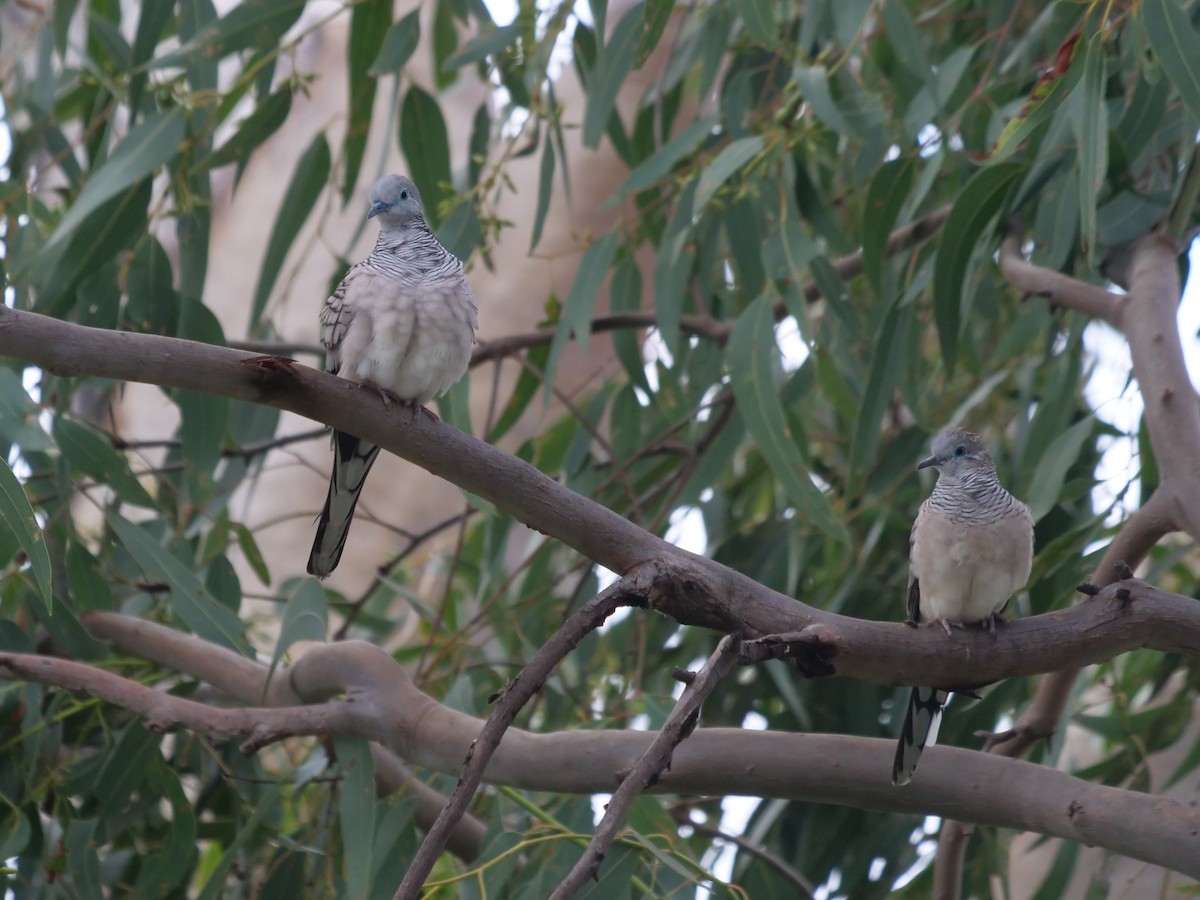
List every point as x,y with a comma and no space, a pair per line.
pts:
970,550
402,320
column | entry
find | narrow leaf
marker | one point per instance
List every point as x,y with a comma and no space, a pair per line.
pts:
148,146
886,195
978,203
659,165
426,147
752,356
202,614
576,317
356,812
17,514
398,45
309,179
369,20
305,618
1051,473
545,190
1176,44
658,14
614,63
254,23
1091,134
759,18
722,168
91,454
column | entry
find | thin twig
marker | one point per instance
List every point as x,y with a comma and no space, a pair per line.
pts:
632,589
657,759
1058,289
802,886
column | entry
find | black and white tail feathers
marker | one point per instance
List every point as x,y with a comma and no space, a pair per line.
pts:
921,721
352,460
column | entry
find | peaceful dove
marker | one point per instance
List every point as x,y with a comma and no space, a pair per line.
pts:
403,320
970,550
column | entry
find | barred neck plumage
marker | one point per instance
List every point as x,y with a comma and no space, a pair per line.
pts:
975,494
413,255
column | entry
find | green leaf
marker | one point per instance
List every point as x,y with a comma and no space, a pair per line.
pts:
814,85
83,862
305,618
488,44
676,253
191,601
886,195
528,380
152,21
614,63
658,14
398,45
576,317
369,20
459,233
659,165
1051,473
253,23
19,415
1091,133
481,139
721,169
266,119
979,202
759,19
17,514
356,812
1177,46
204,418
250,550
92,455
309,179
888,359
170,864
752,355
545,190
149,145
1039,108
113,227
426,147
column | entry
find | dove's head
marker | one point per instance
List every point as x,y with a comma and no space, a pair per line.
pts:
396,201
958,453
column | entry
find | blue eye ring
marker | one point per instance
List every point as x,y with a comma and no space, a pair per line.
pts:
404,195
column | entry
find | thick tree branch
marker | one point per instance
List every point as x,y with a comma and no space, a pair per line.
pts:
1146,317
657,758
246,681
1059,289
382,704
696,591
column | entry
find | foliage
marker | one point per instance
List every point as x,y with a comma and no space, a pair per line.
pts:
774,139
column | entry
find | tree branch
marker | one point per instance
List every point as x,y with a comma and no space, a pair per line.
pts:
382,704
246,681
1059,289
698,591
657,758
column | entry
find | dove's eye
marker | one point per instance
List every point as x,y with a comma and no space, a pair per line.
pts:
404,195
960,451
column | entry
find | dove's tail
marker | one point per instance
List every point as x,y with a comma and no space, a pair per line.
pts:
921,722
352,460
